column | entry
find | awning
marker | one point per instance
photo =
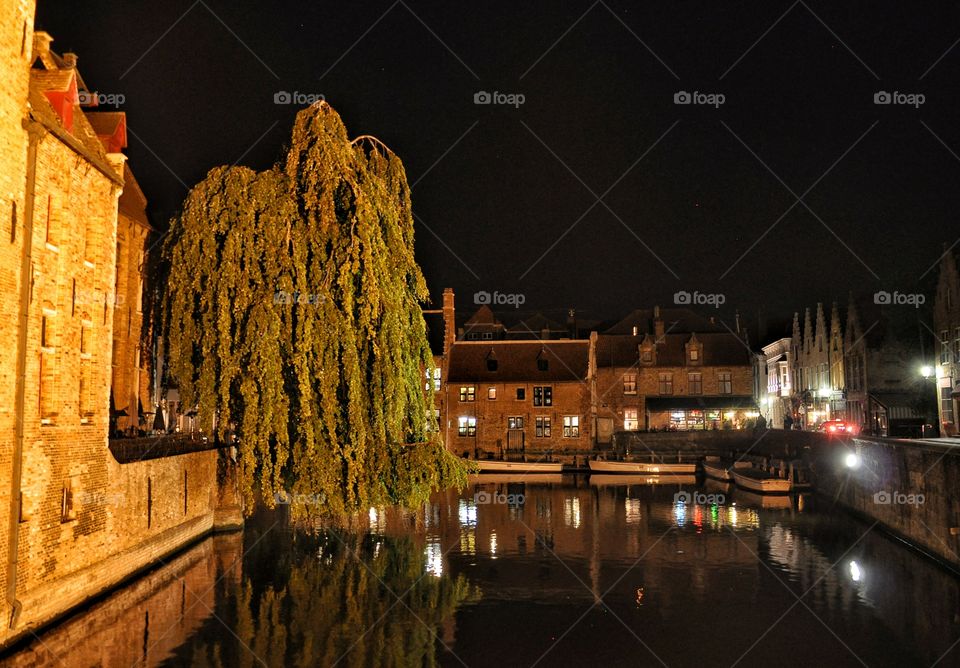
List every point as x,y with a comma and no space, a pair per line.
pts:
700,403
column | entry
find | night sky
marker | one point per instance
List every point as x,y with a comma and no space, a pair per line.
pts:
506,197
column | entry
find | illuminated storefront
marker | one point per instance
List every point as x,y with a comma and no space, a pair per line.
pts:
700,413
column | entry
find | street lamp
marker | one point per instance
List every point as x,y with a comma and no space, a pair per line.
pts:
926,371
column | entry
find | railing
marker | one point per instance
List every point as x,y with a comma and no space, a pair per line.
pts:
128,450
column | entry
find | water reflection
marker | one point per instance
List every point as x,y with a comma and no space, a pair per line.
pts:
566,573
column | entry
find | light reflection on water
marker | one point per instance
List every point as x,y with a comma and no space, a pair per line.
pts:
508,581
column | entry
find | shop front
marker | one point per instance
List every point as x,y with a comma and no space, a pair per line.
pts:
700,413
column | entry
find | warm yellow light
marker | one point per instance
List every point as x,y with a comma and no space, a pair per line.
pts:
926,371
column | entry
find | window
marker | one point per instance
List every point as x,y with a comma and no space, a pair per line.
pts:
629,383
543,427
956,346
724,384
433,418
67,510
542,395
492,364
466,426
51,233
515,422
695,383
85,393
491,393
432,374
468,393
85,329
542,364
646,355
521,393
571,426
944,348
665,383
487,336
630,421
694,354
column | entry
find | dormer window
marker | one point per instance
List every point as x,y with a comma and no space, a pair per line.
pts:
542,363
492,364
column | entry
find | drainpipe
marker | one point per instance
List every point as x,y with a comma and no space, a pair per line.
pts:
35,133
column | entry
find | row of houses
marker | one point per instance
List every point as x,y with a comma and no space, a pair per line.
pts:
865,371
500,390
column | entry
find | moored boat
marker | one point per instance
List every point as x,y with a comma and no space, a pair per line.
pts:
759,481
721,470
497,477
620,479
497,466
648,468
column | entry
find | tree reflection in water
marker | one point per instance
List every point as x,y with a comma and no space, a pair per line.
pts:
331,596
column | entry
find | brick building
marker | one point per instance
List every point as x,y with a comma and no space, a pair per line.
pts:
946,325
79,520
670,369
818,363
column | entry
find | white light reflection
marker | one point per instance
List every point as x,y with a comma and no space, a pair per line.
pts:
680,513
493,544
631,510
571,512
378,520
467,513
855,573
434,555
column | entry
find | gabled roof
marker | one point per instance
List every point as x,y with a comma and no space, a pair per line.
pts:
566,361
483,316
719,349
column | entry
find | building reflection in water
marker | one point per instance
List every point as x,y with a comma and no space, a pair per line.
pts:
494,576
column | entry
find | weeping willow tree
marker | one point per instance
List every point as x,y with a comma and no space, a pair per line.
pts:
292,312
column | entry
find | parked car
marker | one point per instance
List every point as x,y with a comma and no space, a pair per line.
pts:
837,427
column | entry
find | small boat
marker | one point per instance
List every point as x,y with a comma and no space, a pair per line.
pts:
497,466
621,480
721,471
528,478
763,482
649,468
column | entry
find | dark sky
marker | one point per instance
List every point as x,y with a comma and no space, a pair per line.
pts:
498,188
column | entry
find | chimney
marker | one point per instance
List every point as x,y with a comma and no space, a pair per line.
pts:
449,322
41,43
657,324
70,59
572,323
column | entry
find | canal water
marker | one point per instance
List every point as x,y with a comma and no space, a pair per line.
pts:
553,571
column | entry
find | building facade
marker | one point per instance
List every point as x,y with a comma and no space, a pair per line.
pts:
778,398
818,361
946,325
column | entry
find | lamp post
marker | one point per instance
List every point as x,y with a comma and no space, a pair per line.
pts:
928,373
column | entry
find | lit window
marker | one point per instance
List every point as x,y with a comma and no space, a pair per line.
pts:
543,427
665,383
466,426
433,418
630,421
694,354
724,383
646,355
542,395
468,393
434,375
695,383
491,393
515,422
571,426
629,383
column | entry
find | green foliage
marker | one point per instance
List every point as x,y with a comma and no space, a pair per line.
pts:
292,311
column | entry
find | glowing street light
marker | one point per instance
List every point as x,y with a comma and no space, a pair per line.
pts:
926,371
852,460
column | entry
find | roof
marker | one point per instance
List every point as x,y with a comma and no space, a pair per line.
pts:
483,316
719,349
677,320
517,361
